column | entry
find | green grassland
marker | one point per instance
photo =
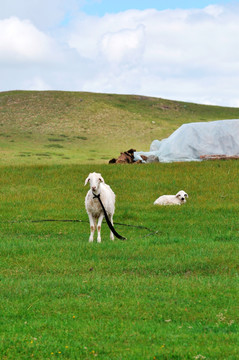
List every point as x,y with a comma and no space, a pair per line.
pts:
168,292
75,127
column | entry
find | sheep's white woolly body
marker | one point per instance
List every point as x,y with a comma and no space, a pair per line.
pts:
178,199
93,207
107,197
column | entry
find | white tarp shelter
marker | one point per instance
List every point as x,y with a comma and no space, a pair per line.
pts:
190,141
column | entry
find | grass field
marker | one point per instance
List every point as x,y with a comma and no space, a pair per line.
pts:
168,292
82,128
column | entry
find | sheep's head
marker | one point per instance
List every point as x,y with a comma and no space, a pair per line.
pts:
95,180
182,196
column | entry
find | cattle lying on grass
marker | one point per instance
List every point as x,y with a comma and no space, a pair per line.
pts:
126,157
93,207
178,199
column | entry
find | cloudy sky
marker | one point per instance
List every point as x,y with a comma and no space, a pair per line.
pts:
179,50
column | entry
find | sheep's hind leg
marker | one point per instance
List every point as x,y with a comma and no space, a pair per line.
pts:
111,234
99,228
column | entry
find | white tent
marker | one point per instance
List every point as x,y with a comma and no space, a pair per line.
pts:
190,141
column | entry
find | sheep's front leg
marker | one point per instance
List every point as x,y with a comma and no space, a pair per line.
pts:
92,228
99,228
111,234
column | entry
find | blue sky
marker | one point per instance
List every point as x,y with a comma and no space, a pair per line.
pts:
101,7
189,52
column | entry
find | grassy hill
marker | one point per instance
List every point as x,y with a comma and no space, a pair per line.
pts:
78,127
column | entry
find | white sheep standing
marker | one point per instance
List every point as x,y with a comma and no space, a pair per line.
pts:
93,207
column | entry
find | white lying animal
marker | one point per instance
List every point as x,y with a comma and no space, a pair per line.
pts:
178,199
93,207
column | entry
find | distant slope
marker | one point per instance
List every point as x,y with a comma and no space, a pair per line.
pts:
78,127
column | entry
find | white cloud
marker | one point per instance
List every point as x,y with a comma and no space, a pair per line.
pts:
126,45
190,55
21,42
178,39
42,13
175,53
214,10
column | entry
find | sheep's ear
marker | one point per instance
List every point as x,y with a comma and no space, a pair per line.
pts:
101,179
87,180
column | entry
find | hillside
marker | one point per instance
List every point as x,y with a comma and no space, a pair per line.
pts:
78,127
